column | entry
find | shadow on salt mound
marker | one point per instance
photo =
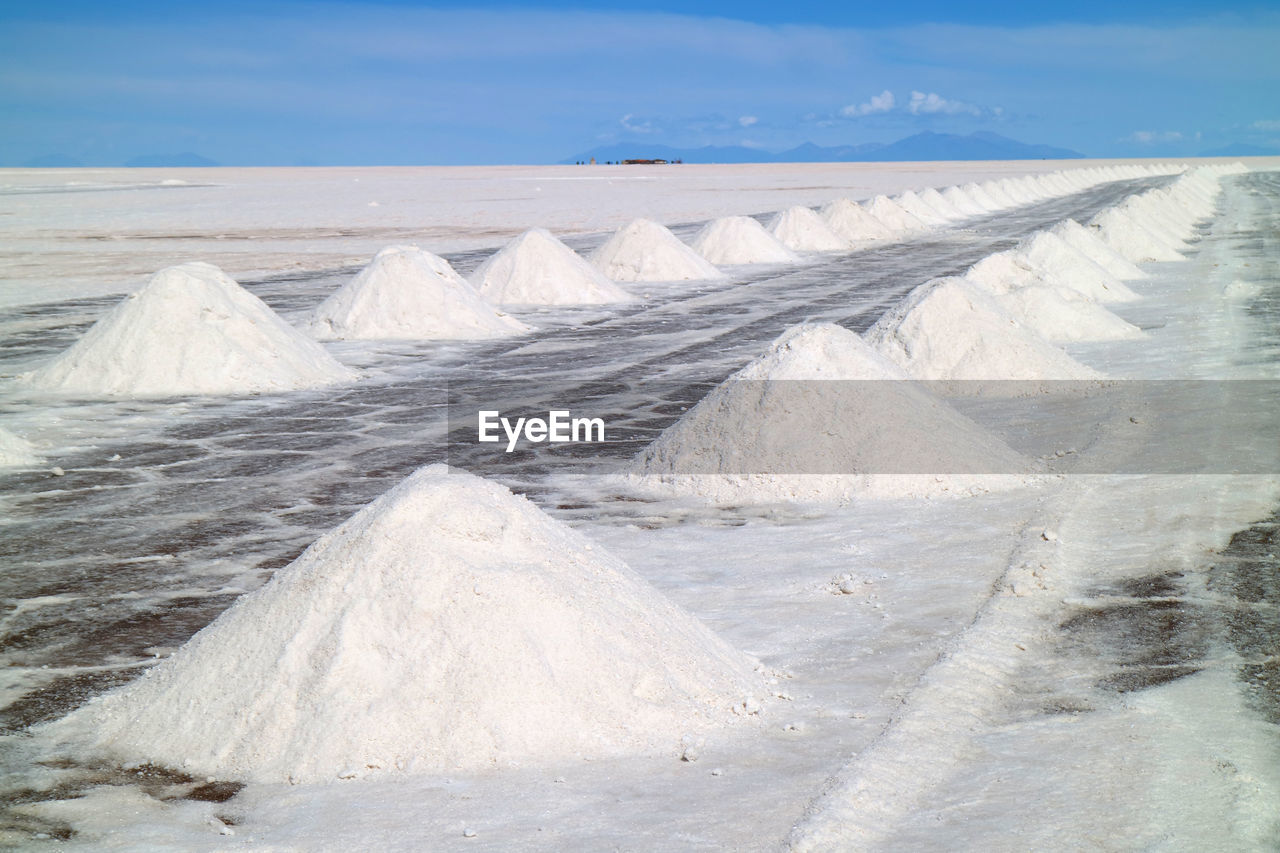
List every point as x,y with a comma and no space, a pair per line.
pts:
190,330
893,215
643,250
802,229
16,451
449,625
821,417
1088,243
537,269
949,329
982,198
852,222
734,240
1061,316
1133,240
939,203
408,294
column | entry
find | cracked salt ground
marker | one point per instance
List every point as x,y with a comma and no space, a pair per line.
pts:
850,673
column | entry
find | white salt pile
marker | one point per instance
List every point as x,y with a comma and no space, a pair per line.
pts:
16,451
940,205
1088,243
1132,239
784,428
1061,315
980,196
852,222
949,329
537,269
963,202
1065,266
190,330
740,240
893,215
913,204
802,229
646,251
408,294
449,625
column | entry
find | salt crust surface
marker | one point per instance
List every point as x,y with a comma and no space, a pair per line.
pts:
740,240
643,250
15,450
859,429
449,625
189,330
802,229
950,329
408,294
537,269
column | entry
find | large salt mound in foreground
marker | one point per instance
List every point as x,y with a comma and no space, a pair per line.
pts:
449,625
949,329
740,240
785,429
190,330
408,294
537,269
643,250
15,450
802,229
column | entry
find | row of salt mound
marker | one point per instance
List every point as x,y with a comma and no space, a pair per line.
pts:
893,215
449,625
16,451
643,250
537,269
190,330
804,230
853,222
752,439
917,207
740,240
1045,258
1091,245
407,294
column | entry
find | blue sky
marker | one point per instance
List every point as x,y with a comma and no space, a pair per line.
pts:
282,83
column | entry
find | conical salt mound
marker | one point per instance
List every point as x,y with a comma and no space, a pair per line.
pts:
963,202
189,330
15,450
740,240
537,269
449,625
1065,266
802,229
646,251
1060,316
941,205
852,222
1087,242
916,206
786,428
1132,239
408,294
949,329
893,215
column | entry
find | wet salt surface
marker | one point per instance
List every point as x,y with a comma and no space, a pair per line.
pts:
127,559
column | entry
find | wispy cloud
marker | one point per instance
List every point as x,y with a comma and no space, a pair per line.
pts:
1152,137
747,121
631,124
932,103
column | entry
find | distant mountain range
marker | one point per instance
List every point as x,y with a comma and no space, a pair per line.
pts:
921,146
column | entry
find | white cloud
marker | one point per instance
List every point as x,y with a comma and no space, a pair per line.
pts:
924,104
1266,125
880,103
1149,137
631,124
747,121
